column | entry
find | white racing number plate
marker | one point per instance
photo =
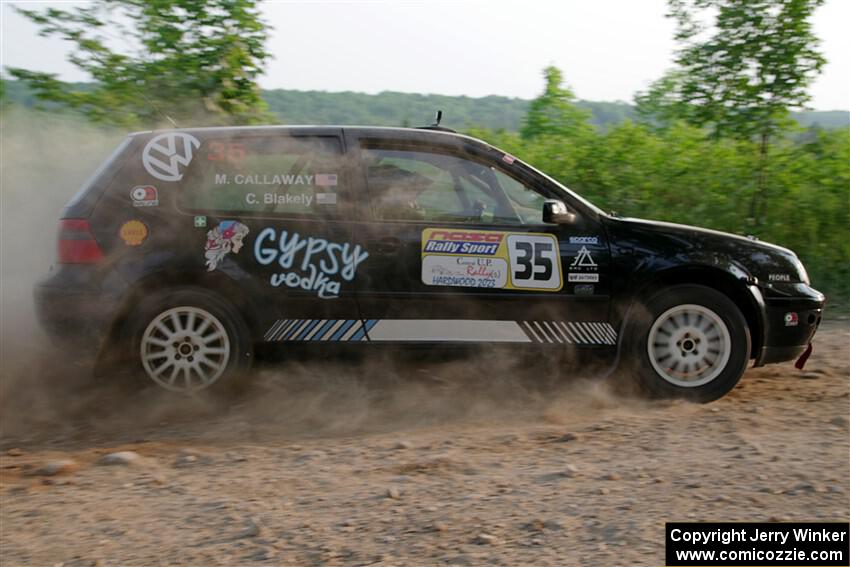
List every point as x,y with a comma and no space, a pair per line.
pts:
491,259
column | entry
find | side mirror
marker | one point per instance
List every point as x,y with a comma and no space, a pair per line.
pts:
556,212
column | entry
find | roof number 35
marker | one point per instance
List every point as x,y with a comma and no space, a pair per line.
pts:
534,262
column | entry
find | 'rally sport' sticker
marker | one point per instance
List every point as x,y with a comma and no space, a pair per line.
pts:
491,259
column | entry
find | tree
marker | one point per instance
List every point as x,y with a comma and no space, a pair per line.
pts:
741,65
184,59
555,112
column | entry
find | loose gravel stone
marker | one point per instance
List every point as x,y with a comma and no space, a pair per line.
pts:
486,539
59,466
252,529
121,458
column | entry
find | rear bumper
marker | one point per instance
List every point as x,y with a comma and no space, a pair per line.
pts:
75,309
791,316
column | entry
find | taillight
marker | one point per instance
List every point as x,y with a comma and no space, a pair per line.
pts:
76,243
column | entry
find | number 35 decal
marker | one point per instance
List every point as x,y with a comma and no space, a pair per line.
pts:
535,261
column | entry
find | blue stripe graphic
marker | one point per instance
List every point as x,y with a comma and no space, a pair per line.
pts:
341,331
360,334
324,329
307,329
273,330
296,326
279,331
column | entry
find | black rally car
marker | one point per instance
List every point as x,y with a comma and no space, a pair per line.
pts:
193,249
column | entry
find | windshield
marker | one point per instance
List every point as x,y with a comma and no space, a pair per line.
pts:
571,194
512,161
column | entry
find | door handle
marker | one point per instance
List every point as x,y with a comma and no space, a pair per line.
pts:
388,245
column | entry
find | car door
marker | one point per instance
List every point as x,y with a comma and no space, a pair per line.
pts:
460,252
272,211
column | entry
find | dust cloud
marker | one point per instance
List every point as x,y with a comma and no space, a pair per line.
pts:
47,394
44,159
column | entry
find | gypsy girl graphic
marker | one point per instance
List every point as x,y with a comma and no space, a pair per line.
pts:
225,238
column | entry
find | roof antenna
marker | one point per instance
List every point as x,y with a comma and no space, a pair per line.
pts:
436,125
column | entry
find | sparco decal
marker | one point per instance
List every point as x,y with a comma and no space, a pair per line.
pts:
309,263
584,240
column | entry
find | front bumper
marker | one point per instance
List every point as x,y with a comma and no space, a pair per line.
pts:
791,314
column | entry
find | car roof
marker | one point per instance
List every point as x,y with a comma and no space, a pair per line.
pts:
424,134
398,133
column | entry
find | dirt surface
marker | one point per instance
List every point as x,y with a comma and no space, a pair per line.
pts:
322,465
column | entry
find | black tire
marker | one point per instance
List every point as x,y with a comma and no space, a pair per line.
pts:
700,344
210,348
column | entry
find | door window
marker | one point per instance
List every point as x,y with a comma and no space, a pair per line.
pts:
416,185
526,202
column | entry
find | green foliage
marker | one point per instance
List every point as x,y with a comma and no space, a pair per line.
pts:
192,60
740,67
554,113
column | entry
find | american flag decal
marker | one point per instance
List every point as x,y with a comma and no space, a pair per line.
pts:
326,179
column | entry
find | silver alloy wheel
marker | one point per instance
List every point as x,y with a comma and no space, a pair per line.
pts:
185,349
689,345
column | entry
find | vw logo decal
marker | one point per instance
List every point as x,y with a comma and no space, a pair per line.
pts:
166,154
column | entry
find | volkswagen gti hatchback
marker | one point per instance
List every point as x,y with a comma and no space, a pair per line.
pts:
191,250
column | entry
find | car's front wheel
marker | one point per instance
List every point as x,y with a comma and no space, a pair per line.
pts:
690,342
187,341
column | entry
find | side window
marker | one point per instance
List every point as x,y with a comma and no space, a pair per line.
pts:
408,186
280,175
526,202
428,186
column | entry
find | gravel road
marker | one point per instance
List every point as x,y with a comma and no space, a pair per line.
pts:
446,464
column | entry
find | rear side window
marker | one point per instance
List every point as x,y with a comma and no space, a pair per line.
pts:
286,176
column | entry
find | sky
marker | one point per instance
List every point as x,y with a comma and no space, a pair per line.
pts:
607,49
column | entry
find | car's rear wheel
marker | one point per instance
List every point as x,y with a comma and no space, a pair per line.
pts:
189,341
691,342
